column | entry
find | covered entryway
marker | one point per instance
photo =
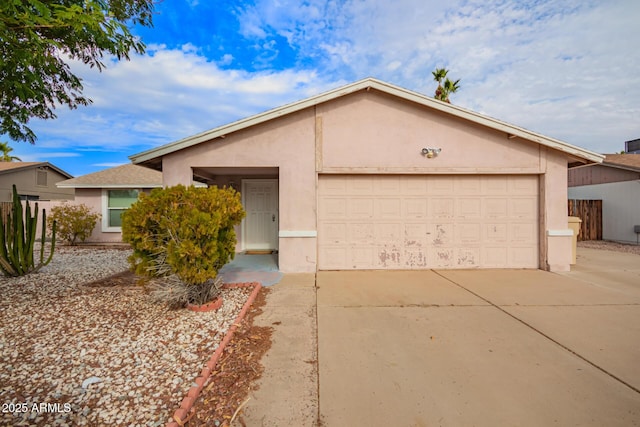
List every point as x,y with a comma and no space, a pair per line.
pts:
260,201
427,221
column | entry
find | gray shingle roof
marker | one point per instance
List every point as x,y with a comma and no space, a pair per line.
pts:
128,175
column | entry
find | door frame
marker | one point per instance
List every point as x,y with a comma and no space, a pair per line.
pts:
243,193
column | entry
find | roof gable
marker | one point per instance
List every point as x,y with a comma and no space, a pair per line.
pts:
124,176
9,167
585,156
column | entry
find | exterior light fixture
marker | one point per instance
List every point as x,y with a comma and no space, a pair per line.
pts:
430,153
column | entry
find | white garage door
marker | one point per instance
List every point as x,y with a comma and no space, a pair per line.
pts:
427,221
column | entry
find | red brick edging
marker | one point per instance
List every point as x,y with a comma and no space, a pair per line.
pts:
181,415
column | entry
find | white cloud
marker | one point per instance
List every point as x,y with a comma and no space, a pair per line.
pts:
566,69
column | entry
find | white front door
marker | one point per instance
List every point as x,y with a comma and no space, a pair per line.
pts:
260,200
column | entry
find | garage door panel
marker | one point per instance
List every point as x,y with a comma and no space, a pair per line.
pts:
441,258
388,257
467,186
388,208
414,208
418,222
440,185
361,185
415,258
495,185
442,235
364,256
389,187
441,208
496,233
468,258
470,233
522,185
389,233
523,233
413,186
415,235
496,208
334,258
334,232
360,208
468,208
522,208
495,257
361,233
522,255
333,208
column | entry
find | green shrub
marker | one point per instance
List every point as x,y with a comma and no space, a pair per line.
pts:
75,221
186,231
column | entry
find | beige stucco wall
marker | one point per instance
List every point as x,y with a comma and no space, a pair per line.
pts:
25,181
382,134
92,197
370,132
286,143
554,216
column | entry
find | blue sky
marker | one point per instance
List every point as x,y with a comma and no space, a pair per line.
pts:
567,69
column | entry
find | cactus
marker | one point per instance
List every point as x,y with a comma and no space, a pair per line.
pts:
17,239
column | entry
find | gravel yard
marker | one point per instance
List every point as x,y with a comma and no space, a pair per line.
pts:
74,355
610,246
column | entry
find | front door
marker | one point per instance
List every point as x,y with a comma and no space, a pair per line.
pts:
260,200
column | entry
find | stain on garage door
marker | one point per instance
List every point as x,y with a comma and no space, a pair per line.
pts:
427,221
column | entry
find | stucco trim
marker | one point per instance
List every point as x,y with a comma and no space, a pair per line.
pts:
559,233
298,233
366,84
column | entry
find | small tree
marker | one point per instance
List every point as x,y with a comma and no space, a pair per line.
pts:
74,221
186,232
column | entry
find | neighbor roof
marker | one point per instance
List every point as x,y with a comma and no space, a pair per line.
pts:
125,176
366,84
8,167
623,161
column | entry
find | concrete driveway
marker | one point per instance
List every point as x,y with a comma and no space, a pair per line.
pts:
483,347
454,348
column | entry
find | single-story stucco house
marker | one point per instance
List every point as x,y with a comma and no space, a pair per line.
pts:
374,176
616,181
110,192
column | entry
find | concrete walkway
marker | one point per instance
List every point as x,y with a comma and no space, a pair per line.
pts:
455,348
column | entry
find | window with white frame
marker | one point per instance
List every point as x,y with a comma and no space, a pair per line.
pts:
114,203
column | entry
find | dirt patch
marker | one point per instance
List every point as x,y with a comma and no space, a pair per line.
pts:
237,371
124,279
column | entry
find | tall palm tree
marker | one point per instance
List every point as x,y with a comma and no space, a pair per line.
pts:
449,88
445,86
5,153
439,75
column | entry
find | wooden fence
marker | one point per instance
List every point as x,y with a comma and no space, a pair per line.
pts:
590,212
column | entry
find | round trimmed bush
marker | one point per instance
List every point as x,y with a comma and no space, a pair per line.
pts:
186,231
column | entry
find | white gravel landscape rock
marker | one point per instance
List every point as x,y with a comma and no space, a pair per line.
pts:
78,356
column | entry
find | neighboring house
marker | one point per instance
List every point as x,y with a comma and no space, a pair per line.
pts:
373,176
110,192
617,183
632,147
33,180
